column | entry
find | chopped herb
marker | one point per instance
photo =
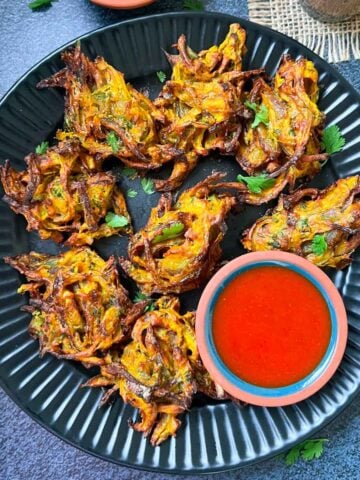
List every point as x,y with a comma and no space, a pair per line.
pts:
293,455
258,183
261,114
113,141
40,3
131,193
308,450
196,5
150,307
129,172
319,245
161,76
116,221
42,148
169,232
332,140
147,185
140,297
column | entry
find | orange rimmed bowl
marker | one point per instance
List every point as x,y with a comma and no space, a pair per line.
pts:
123,4
255,394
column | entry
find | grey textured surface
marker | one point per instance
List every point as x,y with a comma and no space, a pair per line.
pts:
29,451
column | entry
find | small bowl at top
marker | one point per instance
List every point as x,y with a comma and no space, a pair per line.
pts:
271,328
123,4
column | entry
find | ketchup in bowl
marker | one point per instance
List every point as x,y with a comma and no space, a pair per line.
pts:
271,326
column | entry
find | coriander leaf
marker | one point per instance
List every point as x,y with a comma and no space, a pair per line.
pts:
169,232
116,221
113,141
131,193
312,449
147,185
261,114
139,297
40,3
293,455
196,5
42,148
258,183
129,172
161,76
150,307
319,245
251,105
332,140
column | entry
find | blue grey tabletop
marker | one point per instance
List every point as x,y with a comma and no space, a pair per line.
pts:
29,451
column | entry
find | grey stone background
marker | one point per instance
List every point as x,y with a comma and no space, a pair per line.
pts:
27,451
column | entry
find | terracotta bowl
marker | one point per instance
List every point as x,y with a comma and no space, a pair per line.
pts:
123,4
253,394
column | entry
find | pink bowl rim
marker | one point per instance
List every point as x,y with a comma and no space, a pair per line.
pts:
333,295
122,4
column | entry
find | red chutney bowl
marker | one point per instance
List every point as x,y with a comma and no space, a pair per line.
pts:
271,328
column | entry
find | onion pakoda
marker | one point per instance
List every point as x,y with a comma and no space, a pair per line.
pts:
79,308
283,138
63,196
107,115
158,371
202,103
179,247
325,229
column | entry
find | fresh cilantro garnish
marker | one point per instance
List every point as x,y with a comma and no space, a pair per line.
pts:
257,184
40,3
261,114
42,148
131,193
332,140
161,76
196,5
129,172
113,141
147,185
140,297
308,450
169,232
319,245
116,221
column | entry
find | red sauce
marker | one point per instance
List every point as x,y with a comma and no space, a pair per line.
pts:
271,326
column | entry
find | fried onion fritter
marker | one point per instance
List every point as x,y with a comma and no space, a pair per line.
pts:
202,103
79,308
331,216
285,144
179,247
159,371
99,102
63,197
209,64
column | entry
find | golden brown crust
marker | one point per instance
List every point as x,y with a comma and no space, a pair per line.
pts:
159,371
187,257
333,213
79,307
63,196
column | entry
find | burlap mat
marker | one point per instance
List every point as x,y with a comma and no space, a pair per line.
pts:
336,42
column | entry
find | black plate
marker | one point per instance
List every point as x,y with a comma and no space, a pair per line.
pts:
213,436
